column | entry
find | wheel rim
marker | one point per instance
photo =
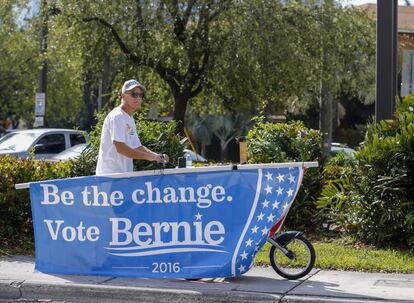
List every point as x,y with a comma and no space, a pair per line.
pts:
297,265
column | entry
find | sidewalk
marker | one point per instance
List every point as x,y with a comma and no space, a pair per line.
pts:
19,281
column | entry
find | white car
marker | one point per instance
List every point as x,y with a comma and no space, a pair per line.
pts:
44,143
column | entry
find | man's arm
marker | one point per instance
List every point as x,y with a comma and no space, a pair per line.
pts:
141,152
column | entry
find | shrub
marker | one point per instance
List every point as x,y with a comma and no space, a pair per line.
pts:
15,213
374,198
291,142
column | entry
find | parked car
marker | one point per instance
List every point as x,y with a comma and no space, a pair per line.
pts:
194,156
343,149
43,142
71,153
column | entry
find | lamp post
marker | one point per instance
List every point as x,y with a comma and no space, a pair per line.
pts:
386,74
40,106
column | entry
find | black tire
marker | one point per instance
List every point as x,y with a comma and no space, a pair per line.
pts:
295,268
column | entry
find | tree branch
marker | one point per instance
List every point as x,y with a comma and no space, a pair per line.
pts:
133,57
180,23
169,75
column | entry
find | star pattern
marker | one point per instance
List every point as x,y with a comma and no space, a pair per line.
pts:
278,189
265,203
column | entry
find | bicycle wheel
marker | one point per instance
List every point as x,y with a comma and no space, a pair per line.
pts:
297,263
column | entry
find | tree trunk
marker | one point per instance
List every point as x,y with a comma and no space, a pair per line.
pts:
86,117
326,116
203,149
224,153
180,107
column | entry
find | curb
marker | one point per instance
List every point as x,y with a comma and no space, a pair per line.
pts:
318,299
121,294
26,291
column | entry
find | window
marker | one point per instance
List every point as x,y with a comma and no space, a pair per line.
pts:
50,144
17,142
76,139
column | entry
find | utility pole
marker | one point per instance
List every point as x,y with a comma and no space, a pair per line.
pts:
387,39
327,104
40,107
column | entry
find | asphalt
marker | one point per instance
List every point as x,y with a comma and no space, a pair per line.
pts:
20,283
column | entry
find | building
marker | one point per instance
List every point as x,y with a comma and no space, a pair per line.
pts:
405,44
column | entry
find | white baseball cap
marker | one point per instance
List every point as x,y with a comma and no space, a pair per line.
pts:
130,84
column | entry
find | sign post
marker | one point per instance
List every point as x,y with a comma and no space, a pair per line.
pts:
40,106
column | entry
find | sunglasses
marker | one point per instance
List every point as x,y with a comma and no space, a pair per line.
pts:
136,95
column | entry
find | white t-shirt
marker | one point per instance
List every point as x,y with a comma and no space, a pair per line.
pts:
118,126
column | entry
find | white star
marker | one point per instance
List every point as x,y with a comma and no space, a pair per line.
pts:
249,242
268,189
265,231
242,268
290,168
280,177
276,204
269,176
291,179
279,191
244,255
254,229
285,206
198,216
270,218
260,217
290,192
265,203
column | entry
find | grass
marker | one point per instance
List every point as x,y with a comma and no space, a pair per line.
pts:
341,254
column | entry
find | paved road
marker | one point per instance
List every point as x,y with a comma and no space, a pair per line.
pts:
19,282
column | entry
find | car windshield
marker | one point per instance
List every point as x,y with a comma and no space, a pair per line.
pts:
17,142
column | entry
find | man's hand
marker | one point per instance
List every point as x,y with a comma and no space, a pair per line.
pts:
141,153
163,158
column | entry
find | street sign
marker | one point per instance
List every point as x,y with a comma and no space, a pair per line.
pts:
39,121
40,104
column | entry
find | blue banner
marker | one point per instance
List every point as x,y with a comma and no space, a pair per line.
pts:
184,225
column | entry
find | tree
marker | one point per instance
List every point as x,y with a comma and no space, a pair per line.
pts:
272,57
226,126
18,61
347,61
170,37
268,57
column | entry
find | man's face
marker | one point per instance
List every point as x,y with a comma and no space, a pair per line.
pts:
133,98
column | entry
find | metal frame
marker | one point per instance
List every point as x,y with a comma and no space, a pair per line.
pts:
203,169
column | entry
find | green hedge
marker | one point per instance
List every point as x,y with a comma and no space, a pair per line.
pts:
291,142
15,213
373,196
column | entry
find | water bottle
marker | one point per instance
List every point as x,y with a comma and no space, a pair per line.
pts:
188,161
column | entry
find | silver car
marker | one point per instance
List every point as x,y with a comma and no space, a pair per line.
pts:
71,153
44,143
342,149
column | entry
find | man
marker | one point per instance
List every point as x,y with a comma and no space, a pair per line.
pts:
120,143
